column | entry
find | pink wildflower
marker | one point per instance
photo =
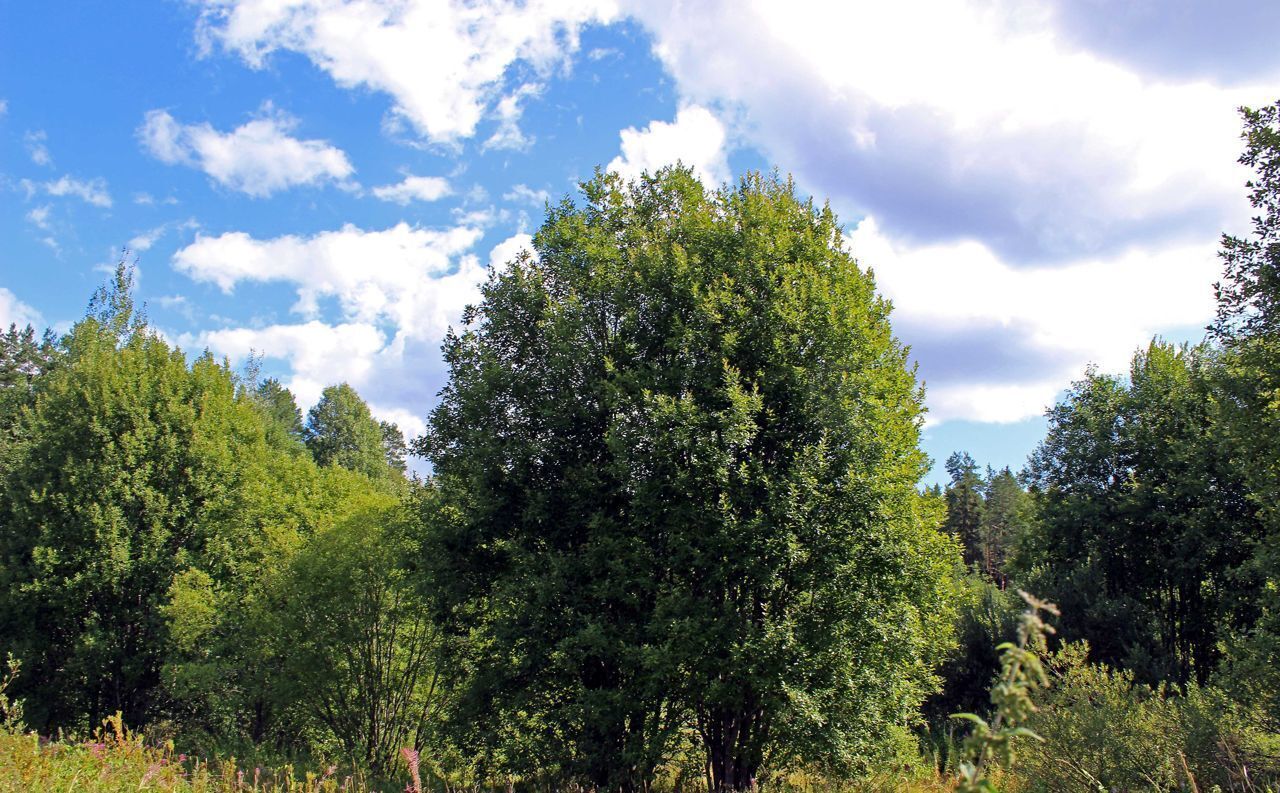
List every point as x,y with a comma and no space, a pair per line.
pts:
411,758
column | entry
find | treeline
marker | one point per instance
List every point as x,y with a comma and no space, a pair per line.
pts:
181,547
672,535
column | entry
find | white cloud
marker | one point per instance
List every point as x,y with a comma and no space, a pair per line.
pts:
413,289
414,188
319,355
523,194
258,158
39,217
410,423
36,148
1030,204
444,62
696,138
14,312
505,252
509,135
1096,310
92,191
964,118
416,279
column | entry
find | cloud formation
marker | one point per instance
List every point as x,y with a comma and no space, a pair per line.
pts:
443,62
696,138
416,280
997,342
398,291
414,188
14,312
982,122
257,158
91,191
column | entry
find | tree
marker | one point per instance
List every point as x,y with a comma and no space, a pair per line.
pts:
394,446
1248,327
964,505
283,418
363,651
123,469
678,459
1144,521
341,431
23,358
1007,513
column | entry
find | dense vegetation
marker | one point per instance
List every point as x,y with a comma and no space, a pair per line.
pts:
672,537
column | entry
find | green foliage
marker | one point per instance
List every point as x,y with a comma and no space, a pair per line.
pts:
987,616
1104,731
1248,327
1145,525
283,418
1008,515
362,656
1021,674
227,667
964,505
678,452
122,470
341,431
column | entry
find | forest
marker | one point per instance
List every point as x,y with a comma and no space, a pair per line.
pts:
672,537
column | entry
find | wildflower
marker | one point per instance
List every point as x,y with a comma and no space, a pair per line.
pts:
411,758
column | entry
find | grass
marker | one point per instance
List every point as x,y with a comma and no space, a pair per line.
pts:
117,759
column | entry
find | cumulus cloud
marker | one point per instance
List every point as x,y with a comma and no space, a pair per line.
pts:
997,342
318,354
415,279
965,118
696,138
443,62
91,191
257,158
14,312
394,313
414,188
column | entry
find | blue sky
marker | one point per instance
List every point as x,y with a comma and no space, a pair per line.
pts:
1038,185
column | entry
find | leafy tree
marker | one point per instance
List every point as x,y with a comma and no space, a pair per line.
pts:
124,467
341,431
23,358
1248,327
1007,513
394,446
362,655
1144,522
678,458
987,617
283,418
964,505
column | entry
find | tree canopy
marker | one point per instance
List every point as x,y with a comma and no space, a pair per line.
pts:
679,453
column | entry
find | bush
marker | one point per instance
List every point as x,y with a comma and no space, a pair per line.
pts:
1104,732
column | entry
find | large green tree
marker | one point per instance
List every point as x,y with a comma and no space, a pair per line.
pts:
965,505
1248,327
341,431
1144,524
678,458
125,466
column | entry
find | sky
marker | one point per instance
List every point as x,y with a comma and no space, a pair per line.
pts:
1038,185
